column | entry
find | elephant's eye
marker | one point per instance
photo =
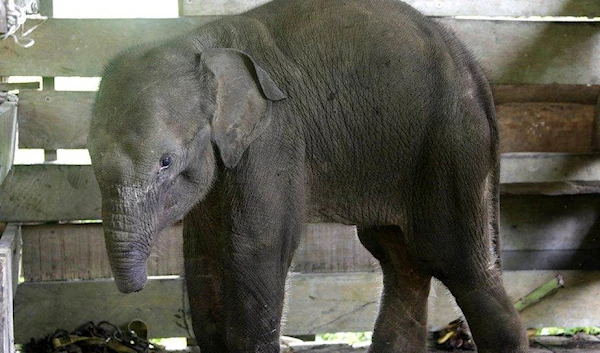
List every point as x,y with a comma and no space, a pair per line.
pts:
165,162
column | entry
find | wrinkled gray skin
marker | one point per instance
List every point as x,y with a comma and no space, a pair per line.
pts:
359,112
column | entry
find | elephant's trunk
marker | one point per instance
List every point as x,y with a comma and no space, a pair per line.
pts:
127,255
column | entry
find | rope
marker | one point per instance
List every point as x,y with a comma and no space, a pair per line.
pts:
16,16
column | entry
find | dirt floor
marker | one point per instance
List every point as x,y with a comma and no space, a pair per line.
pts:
541,345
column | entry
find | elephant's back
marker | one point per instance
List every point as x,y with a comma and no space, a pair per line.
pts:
376,83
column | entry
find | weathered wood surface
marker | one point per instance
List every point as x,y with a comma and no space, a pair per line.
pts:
54,120
345,302
4,86
317,303
9,266
587,8
52,192
538,233
513,52
546,127
46,192
579,94
533,52
596,138
74,47
8,128
572,306
54,252
550,173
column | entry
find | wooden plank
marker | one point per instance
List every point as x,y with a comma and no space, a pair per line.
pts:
512,52
538,232
596,130
57,252
550,222
550,173
580,94
317,304
218,7
54,120
558,260
546,127
3,18
588,8
39,192
49,192
569,307
533,52
73,47
60,120
5,86
8,136
41,308
9,267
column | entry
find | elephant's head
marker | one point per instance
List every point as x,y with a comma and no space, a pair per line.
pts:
158,116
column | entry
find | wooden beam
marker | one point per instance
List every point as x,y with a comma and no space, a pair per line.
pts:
552,93
8,136
10,246
557,260
49,192
596,128
53,252
568,307
75,47
58,252
3,18
538,232
317,304
547,223
518,8
556,119
39,192
512,52
5,86
533,52
54,120
550,173
545,127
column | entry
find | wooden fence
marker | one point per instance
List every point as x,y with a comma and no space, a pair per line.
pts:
546,78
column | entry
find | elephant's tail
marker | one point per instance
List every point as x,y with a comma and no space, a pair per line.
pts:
493,179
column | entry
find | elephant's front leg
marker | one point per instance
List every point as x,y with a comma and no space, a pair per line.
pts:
255,273
203,254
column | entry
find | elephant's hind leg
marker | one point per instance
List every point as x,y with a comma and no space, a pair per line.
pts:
401,324
460,223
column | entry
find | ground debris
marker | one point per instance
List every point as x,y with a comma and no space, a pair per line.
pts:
91,338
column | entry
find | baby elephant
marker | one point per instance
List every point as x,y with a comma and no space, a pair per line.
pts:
349,111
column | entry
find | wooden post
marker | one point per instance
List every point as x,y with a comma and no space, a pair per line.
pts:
3,18
48,85
8,132
10,250
596,135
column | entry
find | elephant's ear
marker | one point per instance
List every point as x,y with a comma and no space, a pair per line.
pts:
244,95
